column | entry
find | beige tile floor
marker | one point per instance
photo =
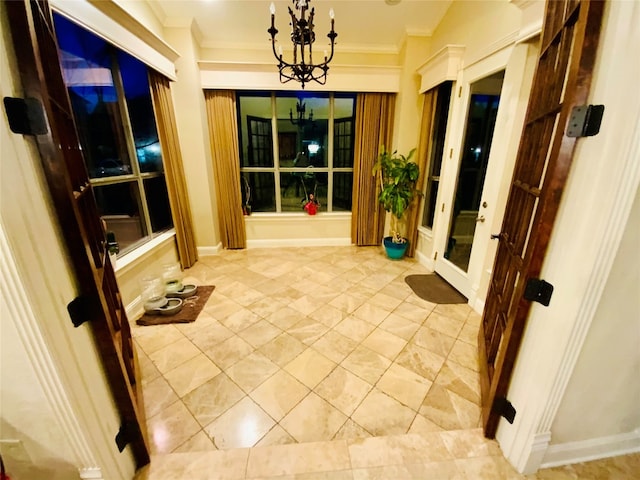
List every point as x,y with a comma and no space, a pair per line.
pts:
322,359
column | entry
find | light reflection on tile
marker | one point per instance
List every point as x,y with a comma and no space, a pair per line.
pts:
171,427
243,425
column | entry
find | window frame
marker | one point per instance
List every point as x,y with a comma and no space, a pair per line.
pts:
136,176
277,169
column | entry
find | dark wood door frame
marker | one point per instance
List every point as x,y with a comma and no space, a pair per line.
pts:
72,198
567,55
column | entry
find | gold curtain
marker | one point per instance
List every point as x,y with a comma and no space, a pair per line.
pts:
173,169
425,144
223,135
374,129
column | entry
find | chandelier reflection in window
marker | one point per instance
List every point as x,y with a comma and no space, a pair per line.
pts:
301,119
302,68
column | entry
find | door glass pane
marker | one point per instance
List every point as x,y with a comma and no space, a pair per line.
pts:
481,119
119,208
443,97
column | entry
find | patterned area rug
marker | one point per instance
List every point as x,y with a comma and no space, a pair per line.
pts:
434,289
191,308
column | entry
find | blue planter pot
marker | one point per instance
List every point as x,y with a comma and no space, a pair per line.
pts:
395,251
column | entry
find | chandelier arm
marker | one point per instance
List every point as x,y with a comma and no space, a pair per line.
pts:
302,68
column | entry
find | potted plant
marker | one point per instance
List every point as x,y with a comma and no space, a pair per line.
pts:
398,176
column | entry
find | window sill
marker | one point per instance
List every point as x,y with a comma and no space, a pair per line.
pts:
288,215
126,261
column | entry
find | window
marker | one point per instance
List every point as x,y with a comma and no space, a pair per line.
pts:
113,112
443,97
293,145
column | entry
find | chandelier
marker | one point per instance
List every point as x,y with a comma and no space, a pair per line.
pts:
300,119
301,68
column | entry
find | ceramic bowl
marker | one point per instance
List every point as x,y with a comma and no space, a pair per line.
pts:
155,303
173,306
185,292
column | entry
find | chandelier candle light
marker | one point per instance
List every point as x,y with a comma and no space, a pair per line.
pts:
302,68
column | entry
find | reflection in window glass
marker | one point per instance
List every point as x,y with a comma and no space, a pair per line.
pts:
113,113
88,70
296,188
119,207
303,124
342,183
259,191
140,108
343,128
305,158
155,189
254,125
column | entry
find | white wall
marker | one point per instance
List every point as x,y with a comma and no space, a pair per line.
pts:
191,120
607,371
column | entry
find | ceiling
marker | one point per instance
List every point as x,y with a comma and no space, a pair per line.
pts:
362,25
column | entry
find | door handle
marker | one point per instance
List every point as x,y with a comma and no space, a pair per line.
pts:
480,218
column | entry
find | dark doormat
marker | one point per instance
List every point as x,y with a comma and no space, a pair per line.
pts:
434,289
191,308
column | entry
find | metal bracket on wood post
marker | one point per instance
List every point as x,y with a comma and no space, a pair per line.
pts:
538,290
503,407
80,309
585,121
26,116
125,435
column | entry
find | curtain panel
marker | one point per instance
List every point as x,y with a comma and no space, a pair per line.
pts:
374,129
173,168
424,152
223,137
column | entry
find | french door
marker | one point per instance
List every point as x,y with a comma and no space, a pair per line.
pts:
98,301
567,53
464,207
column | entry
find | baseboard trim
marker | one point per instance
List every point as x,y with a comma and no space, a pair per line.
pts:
135,308
299,242
91,473
210,250
592,449
425,261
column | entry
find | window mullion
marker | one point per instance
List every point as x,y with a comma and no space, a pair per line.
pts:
330,154
131,148
276,152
